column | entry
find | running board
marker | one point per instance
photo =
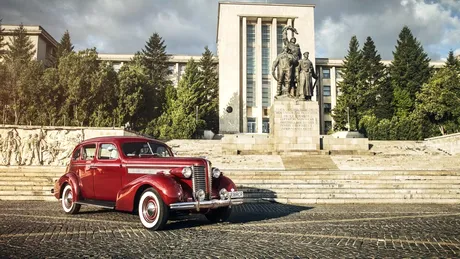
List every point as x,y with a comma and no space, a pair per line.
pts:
95,203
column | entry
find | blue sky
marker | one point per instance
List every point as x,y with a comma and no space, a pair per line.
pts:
118,26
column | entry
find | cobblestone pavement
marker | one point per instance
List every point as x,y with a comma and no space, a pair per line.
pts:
255,230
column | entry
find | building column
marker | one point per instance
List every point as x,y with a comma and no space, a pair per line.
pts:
273,55
244,74
333,91
318,94
177,75
258,111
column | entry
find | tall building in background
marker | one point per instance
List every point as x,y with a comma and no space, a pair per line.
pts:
248,40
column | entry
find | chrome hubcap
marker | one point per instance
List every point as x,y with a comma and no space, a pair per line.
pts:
151,209
68,198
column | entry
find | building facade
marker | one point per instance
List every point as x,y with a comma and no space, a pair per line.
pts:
44,43
249,38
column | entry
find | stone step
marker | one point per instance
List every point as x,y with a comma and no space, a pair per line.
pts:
28,179
344,177
351,186
35,182
27,198
46,188
236,173
353,195
26,193
346,182
35,169
30,174
357,201
350,190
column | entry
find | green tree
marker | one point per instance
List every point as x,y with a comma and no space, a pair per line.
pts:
154,58
439,100
131,92
452,62
104,96
76,75
350,100
409,70
209,98
179,121
374,87
21,47
64,47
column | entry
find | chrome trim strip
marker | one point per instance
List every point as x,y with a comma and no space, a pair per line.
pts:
212,204
147,171
153,165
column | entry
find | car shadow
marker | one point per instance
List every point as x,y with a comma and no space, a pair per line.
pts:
259,205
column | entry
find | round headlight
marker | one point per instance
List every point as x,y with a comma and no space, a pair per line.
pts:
223,193
200,195
187,172
216,172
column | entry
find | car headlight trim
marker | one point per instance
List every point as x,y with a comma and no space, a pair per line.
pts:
187,172
216,172
200,195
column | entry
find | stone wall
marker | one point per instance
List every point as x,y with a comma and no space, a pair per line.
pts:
36,145
345,144
448,143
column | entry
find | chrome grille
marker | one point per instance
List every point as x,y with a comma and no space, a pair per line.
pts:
199,179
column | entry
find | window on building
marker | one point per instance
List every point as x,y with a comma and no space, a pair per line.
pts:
266,84
250,64
279,37
326,73
338,73
171,68
252,125
326,90
327,108
327,126
265,125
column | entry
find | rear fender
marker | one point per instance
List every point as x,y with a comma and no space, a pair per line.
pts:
69,178
169,190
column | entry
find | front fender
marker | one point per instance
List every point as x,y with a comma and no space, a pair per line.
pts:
69,178
222,182
169,190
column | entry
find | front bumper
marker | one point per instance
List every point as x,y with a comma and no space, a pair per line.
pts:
212,204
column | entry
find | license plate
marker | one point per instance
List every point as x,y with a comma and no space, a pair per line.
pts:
237,194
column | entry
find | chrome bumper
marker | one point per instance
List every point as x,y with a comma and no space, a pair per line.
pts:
212,204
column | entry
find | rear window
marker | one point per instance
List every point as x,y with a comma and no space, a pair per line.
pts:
144,149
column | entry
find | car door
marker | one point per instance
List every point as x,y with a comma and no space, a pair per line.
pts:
108,172
86,171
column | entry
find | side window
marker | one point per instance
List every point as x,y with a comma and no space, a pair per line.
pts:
76,154
162,151
107,151
88,152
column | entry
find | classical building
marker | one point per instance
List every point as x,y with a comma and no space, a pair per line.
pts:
44,43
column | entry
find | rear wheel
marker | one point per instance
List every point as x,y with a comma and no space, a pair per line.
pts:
68,205
153,212
219,214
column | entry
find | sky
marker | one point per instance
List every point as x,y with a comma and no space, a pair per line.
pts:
187,26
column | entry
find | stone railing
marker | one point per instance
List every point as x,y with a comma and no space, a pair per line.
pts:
448,143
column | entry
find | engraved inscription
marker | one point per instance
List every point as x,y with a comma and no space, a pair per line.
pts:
297,119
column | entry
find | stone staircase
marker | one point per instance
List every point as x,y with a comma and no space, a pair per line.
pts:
28,182
338,186
299,186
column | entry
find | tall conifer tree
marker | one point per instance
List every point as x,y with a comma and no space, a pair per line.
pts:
21,47
209,97
409,70
350,98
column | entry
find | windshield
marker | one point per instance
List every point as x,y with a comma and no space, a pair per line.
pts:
145,149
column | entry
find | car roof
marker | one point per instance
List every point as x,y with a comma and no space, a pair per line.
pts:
118,139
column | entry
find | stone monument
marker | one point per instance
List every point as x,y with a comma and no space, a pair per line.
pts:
294,117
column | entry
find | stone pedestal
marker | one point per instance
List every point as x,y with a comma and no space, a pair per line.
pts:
294,125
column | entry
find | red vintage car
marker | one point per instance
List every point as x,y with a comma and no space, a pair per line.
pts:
141,175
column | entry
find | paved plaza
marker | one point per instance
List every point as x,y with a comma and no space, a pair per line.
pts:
256,230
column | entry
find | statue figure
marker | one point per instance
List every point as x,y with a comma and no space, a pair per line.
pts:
292,43
1,150
27,151
17,148
304,73
36,150
8,148
284,62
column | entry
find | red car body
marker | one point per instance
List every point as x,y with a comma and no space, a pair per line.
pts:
123,172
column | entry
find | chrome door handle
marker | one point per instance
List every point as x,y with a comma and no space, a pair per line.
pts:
92,167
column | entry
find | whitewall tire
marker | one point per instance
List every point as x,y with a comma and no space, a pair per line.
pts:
153,212
68,205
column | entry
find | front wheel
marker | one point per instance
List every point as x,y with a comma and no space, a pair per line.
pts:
219,214
153,212
68,205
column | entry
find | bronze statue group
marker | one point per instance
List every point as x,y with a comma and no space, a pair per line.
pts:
294,72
